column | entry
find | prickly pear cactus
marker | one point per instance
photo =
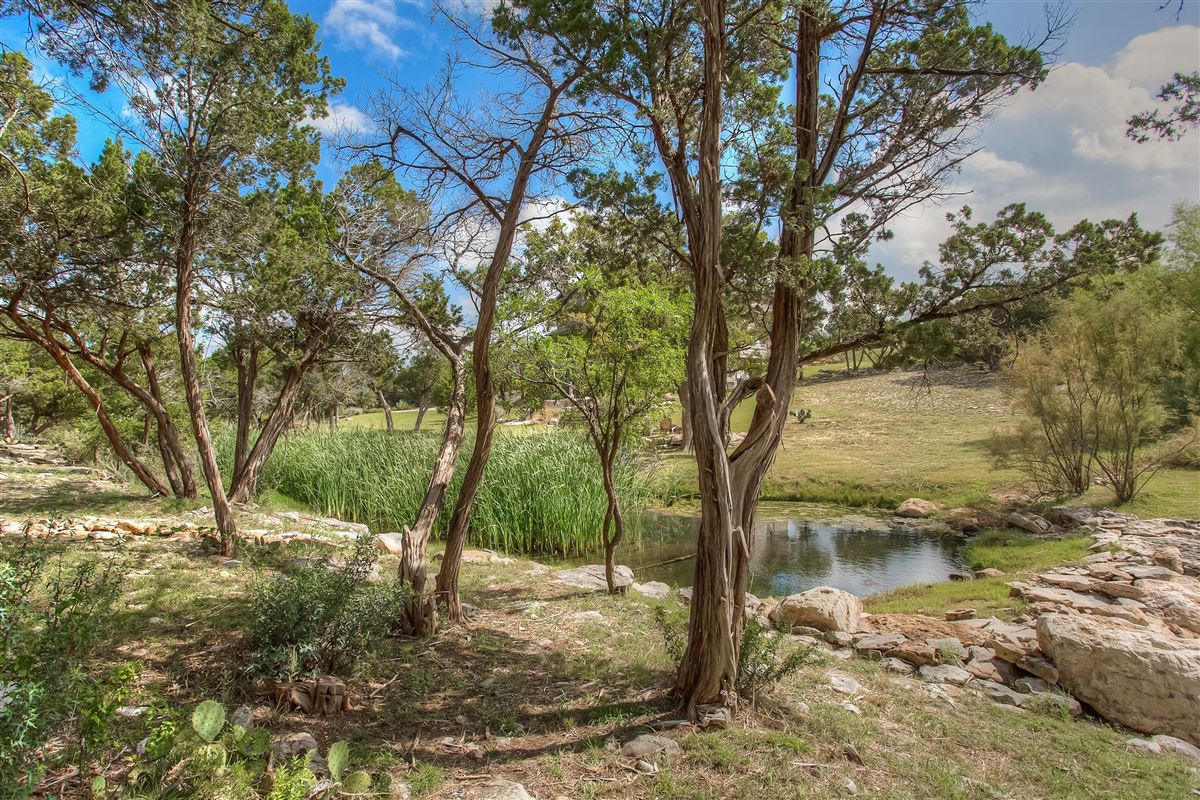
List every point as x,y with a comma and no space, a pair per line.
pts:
254,742
339,757
208,719
357,782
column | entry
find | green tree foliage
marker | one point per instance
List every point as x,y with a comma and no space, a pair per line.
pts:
1090,385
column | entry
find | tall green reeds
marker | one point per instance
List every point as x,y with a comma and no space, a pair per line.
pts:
542,493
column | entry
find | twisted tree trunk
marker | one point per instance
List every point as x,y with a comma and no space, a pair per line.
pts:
420,612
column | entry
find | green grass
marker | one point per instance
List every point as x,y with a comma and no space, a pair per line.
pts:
542,492
1014,553
403,419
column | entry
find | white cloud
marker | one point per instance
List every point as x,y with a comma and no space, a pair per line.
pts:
1062,150
1151,59
341,118
367,24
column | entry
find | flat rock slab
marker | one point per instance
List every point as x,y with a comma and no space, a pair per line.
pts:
945,673
592,577
498,789
649,744
652,588
878,641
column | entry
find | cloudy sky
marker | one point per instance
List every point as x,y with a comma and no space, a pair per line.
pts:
1061,149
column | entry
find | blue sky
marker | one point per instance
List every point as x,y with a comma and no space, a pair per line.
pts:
1061,149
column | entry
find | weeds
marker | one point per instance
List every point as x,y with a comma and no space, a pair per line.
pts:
320,618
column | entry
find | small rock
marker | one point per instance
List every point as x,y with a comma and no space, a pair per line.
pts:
1169,744
988,572
131,712
590,616
1168,557
897,666
231,563
592,577
1029,522
948,647
877,641
1002,695
914,653
291,744
955,614
844,683
916,508
399,789
649,744
850,787
960,575
1031,685
851,752
1142,746
652,589
839,638
853,709
945,673
242,715
498,789
645,767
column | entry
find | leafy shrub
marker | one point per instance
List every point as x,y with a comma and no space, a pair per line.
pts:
763,662
321,617
52,616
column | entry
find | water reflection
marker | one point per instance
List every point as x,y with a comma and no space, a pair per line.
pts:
792,552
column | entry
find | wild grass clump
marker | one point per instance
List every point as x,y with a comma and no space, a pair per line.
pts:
542,493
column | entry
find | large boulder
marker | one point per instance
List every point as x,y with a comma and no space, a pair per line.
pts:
1143,679
823,608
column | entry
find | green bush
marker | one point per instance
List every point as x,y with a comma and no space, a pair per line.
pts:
52,616
321,617
542,492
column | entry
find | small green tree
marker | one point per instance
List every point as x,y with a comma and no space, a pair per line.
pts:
1090,385
612,359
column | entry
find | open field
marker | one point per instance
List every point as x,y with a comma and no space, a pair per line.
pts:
877,439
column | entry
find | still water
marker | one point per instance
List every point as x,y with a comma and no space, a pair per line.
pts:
798,546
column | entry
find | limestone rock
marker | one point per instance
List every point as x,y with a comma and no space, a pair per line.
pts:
948,647
649,744
988,572
914,653
945,673
390,543
1169,744
1168,557
956,614
592,577
291,744
824,607
892,664
916,508
1143,679
878,641
652,588
844,683
498,789
1029,522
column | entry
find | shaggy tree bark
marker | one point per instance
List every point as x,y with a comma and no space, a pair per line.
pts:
185,256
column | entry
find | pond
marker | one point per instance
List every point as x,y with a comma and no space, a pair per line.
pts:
798,546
